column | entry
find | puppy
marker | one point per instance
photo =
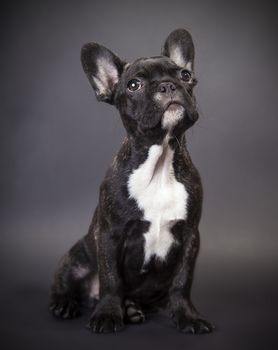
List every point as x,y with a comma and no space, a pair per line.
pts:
141,247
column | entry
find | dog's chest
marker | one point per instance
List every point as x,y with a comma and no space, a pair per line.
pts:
161,197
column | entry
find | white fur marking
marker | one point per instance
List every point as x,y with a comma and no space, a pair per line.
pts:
94,290
161,197
158,96
172,116
80,271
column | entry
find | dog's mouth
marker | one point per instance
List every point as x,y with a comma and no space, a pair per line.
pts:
173,106
173,113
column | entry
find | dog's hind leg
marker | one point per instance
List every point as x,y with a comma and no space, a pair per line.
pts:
133,312
73,269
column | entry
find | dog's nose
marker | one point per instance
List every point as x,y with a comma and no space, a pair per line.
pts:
167,87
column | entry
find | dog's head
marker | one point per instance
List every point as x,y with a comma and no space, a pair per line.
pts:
152,94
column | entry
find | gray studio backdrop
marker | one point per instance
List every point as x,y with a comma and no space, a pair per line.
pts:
57,140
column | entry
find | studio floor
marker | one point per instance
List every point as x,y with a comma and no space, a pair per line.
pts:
239,298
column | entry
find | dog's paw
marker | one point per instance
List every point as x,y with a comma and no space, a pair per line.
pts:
133,312
106,319
105,323
64,307
192,325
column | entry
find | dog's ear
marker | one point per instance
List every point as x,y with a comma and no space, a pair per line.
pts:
179,48
103,69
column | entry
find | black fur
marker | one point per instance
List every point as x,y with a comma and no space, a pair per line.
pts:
113,248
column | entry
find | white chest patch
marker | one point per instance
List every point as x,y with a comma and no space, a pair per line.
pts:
161,198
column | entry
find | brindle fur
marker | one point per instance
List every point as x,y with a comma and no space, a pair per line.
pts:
114,245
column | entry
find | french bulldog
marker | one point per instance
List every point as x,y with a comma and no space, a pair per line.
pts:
141,246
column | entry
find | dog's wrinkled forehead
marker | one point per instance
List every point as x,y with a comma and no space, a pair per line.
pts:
150,68
108,73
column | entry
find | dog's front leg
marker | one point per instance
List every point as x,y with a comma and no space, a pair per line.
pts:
184,314
107,316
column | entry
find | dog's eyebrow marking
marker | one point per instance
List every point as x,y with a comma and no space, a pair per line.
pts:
141,74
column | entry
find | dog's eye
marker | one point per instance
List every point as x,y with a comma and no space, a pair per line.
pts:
134,84
185,75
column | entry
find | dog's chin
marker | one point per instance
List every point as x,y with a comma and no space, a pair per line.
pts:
172,115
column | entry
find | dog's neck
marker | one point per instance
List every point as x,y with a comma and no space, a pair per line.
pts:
136,152
143,144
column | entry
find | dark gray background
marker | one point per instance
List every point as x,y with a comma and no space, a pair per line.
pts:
56,142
